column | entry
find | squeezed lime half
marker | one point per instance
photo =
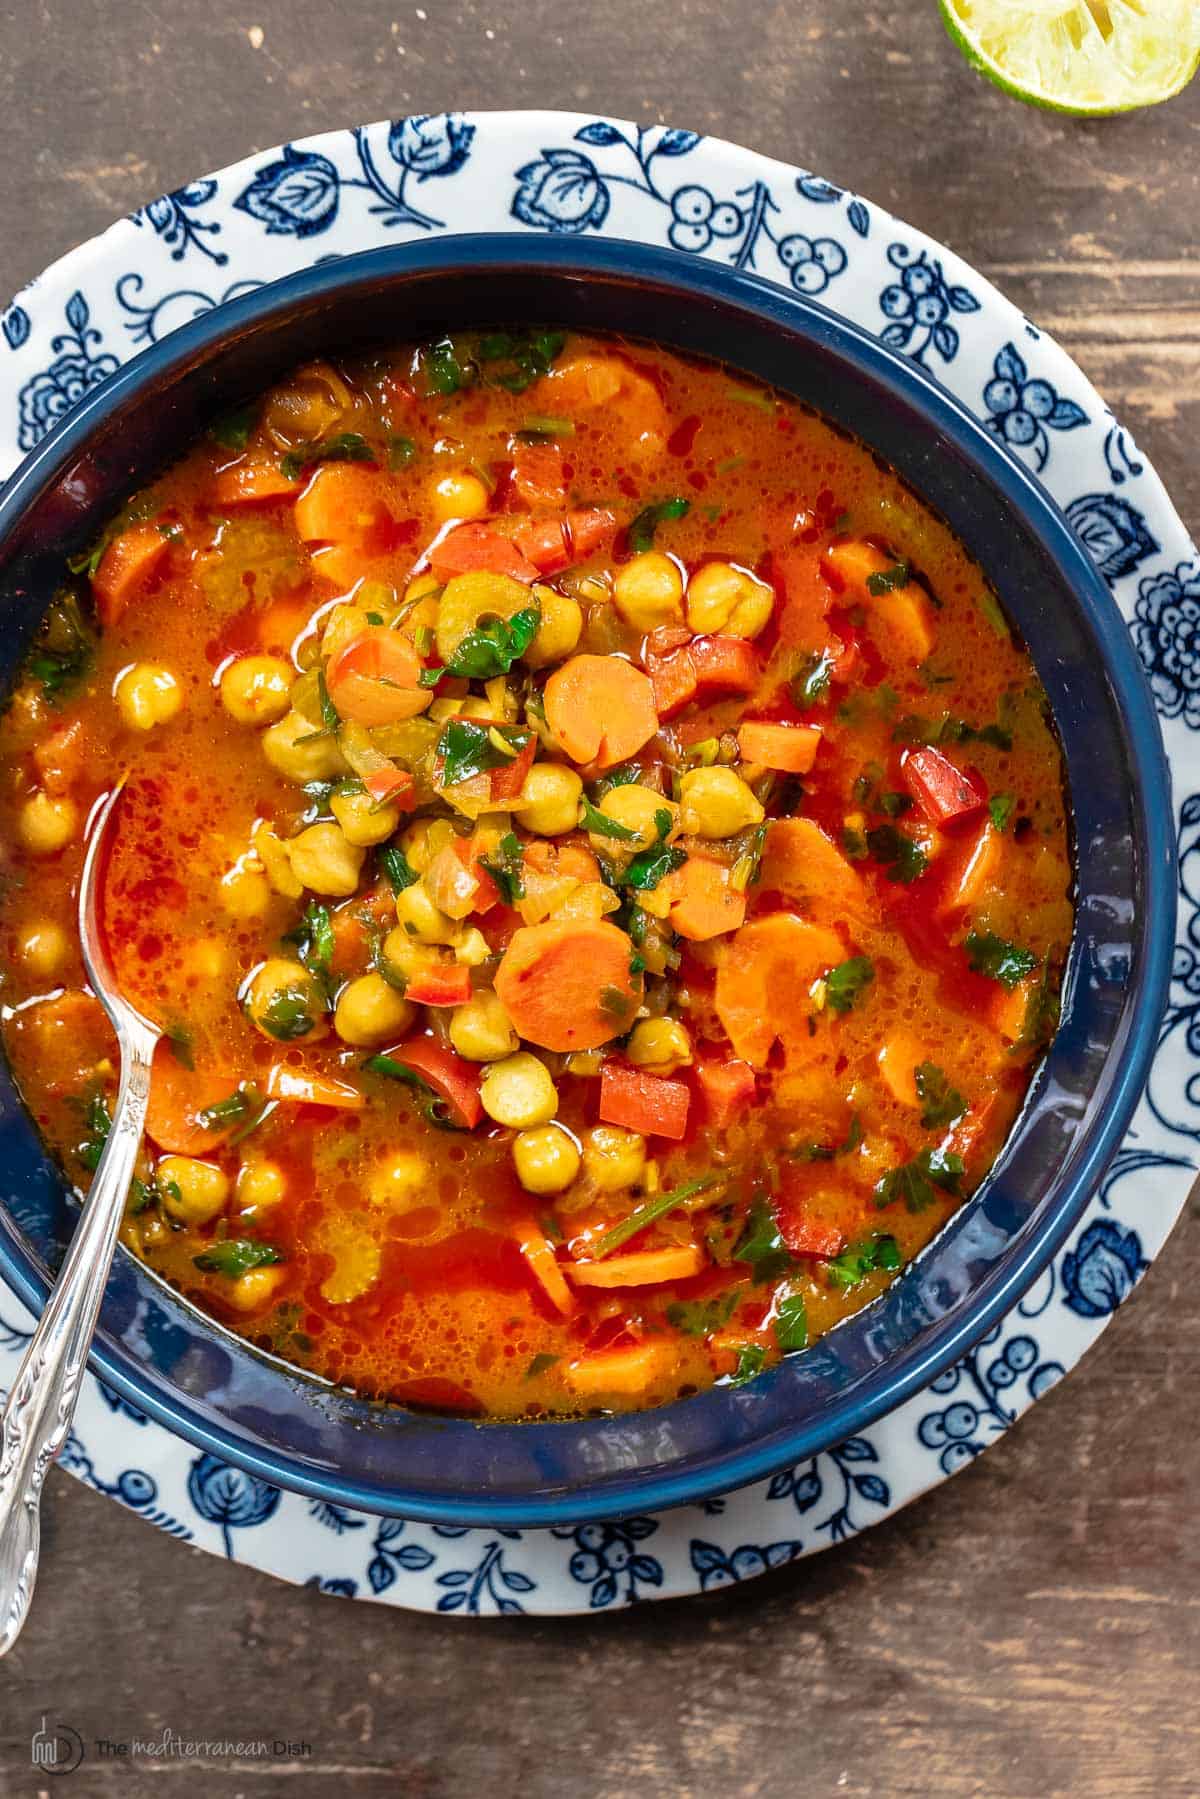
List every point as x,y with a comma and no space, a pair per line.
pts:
1088,57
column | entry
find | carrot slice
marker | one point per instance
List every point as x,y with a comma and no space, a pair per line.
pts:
673,679
538,1252
618,1370
898,1058
568,986
126,568
479,546
601,709
724,665
340,500
703,904
790,748
728,1087
375,678
803,864
641,1268
254,481
900,617
178,1095
649,1103
299,1087
764,975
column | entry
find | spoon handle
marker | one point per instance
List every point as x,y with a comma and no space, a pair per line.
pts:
41,1402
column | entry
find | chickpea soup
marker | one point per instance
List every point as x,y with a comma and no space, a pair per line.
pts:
595,847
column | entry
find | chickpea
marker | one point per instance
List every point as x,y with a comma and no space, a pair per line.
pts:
424,838
546,1159
519,1092
404,955
207,957
324,859
244,890
420,918
549,801
284,1002
660,1044
648,591
259,1186
296,749
250,1291
717,803
638,808
43,948
614,1158
147,695
255,689
721,597
363,820
400,1181
47,825
458,495
422,586
481,1030
192,1192
369,1011
272,853
560,628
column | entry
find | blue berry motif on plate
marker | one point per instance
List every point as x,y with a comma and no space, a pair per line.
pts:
1101,1270
955,1431
1021,410
1166,631
230,1497
1112,532
49,395
919,306
607,1560
171,217
717,1569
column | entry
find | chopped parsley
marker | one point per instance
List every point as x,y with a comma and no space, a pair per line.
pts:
232,431
541,1364
347,446
864,1257
791,1322
62,650
467,748
811,684
235,1255
916,1182
618,1004
288,1013
400,452
515,360
650,1211
846,984
886,580
652,866
700,1317
941,1104
491,649
903,859
825,1152
98,1123
645,525
440,368
998,959
505,868
591,818
225,1111
1001,806
751,1361
314,938
398,870
915,727
760,1245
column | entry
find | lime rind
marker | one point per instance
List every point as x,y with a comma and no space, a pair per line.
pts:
1085,57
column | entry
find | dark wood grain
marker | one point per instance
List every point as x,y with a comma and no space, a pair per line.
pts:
1030,1630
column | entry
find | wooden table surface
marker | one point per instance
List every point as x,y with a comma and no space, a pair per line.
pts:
1033,1627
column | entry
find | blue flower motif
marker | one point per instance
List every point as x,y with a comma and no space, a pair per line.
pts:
919,306
1166,631
607,1557
563,192
1102,1269
1112,532
295,196
230,1497
431,143
170,217
716,1569
340,1589
696,218
49,395
1022,409
811,262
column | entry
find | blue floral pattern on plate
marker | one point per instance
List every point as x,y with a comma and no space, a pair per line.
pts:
578,174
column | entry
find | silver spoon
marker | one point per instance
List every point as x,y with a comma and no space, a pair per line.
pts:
41,1403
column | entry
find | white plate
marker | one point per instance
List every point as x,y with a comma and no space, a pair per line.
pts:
576,174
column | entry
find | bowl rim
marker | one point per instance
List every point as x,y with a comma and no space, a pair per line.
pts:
942,1342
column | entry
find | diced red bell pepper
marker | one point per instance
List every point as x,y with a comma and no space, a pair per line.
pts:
508,780
673,679
728,1087
451,1077
393,785
553,544
539,475
806,1236
441,984
643,1102
724,665
944,792
479,546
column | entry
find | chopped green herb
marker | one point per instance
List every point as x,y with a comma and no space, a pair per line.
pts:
886,580
62,650
998,959
825,1152
235,1255
1001,806
653,865
493,647
540,1364
591,818
542,426
232,431
941,1104
645,525
751,1360
329,712
225,1111
861,1258
791,1323
699,1317
752,396
524,357
903,859
811,684
347,446
433,1107
98,1122
854,844
86,562
316,948
989,605
846,984
915,1182
651,1210
914,727
1041,1013
400,452
441,370
760,1244
288,1013
179,1042
467,748
618,1004
505,868
895,805
398,870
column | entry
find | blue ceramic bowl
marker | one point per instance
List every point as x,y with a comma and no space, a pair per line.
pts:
167,1358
